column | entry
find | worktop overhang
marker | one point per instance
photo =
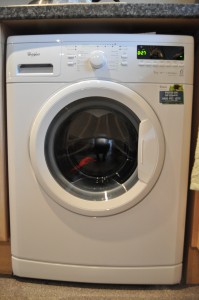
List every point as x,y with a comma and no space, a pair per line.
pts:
99,10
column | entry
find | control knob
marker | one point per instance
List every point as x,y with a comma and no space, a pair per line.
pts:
97,59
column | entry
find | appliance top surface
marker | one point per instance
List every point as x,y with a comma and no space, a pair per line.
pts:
101,38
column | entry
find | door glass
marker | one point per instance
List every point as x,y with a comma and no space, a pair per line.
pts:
91,148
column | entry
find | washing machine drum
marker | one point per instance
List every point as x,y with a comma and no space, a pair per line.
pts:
96,148
92,143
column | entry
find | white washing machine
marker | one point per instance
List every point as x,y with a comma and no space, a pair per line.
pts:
98,152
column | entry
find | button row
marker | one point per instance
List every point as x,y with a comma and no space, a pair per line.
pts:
125,63
72,56
161,64
72,63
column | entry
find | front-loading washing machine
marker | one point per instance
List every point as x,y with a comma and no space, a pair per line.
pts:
98,152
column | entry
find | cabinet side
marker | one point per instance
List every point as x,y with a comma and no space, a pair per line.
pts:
4,232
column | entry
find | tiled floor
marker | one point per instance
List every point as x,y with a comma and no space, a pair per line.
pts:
28,289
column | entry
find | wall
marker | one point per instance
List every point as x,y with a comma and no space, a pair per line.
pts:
13,2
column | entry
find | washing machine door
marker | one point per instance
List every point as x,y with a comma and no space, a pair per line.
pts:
97,148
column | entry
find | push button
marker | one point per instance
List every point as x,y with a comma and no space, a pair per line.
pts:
71,63
141,63
180,64
124,63
71,56
124,56
174,64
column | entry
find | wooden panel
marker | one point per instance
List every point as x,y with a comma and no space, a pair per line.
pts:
192,267
3,172
5,258
193,251
195,226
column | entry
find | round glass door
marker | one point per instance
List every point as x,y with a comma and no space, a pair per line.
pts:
92,144
96,148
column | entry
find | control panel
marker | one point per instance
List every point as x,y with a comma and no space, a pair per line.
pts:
127,62
108,56
114,56
122,58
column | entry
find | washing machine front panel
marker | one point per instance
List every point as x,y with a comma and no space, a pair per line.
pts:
74,179
54,234
136,237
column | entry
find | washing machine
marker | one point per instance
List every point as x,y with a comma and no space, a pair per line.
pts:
98,152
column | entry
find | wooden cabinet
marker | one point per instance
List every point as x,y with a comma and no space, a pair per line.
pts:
192,272
5,258
5,255
3,185
195,223
192,268
3,171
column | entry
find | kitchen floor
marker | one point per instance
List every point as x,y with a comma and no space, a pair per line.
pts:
29,289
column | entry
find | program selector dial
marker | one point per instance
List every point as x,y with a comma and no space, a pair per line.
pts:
97,59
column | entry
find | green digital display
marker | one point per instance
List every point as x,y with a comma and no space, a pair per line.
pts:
141,52
160,52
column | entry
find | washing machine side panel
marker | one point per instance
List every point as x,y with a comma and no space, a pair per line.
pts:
183,175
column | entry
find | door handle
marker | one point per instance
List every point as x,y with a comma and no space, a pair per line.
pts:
148,151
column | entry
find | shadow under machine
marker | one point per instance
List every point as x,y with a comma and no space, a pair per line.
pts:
98,152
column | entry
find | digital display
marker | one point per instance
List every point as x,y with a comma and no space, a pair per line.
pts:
160,52
142,52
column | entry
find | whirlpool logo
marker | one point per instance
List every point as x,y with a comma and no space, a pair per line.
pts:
33,54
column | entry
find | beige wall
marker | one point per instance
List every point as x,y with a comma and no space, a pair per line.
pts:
13,2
